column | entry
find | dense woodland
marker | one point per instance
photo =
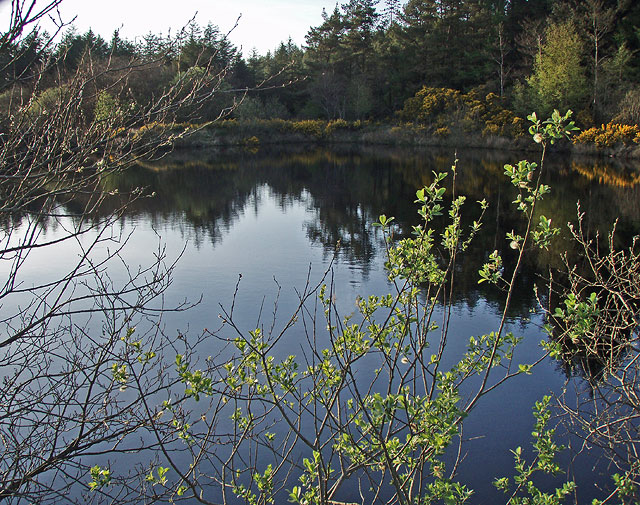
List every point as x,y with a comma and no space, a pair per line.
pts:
365,61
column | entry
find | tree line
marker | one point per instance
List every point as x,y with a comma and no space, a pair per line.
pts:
368,57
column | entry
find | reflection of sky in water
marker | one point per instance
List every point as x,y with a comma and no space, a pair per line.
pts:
267,239
266,246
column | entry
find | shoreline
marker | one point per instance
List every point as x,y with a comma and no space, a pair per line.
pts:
253,134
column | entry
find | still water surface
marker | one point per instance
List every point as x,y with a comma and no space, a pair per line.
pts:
276,217
273,216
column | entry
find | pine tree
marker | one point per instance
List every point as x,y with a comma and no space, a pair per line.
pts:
391,13
361,20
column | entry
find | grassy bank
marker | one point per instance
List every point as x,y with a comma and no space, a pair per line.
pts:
277,131
607,141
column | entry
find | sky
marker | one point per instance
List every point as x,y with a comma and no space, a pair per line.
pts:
263,23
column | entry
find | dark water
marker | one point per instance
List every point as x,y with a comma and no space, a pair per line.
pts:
276,216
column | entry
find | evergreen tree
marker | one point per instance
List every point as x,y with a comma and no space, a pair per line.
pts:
121,47
525,24
446,42
627,32
325,47
19,61
419,19
391,84
391,13
74,47
360,21
154,45
285,75
328,63
205,48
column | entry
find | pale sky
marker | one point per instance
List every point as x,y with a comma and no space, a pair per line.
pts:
263,25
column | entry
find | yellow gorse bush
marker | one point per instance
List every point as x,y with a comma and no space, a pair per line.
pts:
444,109
427,103
316,128
609,135
312,127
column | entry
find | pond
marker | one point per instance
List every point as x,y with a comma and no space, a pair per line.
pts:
269,222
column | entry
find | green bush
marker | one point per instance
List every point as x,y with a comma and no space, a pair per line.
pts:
107,107
49,100
391,430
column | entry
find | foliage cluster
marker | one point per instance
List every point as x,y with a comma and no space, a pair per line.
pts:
444,110
610,135
396,426
593,323
559,77
312,129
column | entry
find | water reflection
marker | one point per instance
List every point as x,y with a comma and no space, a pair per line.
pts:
346,190
201,195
